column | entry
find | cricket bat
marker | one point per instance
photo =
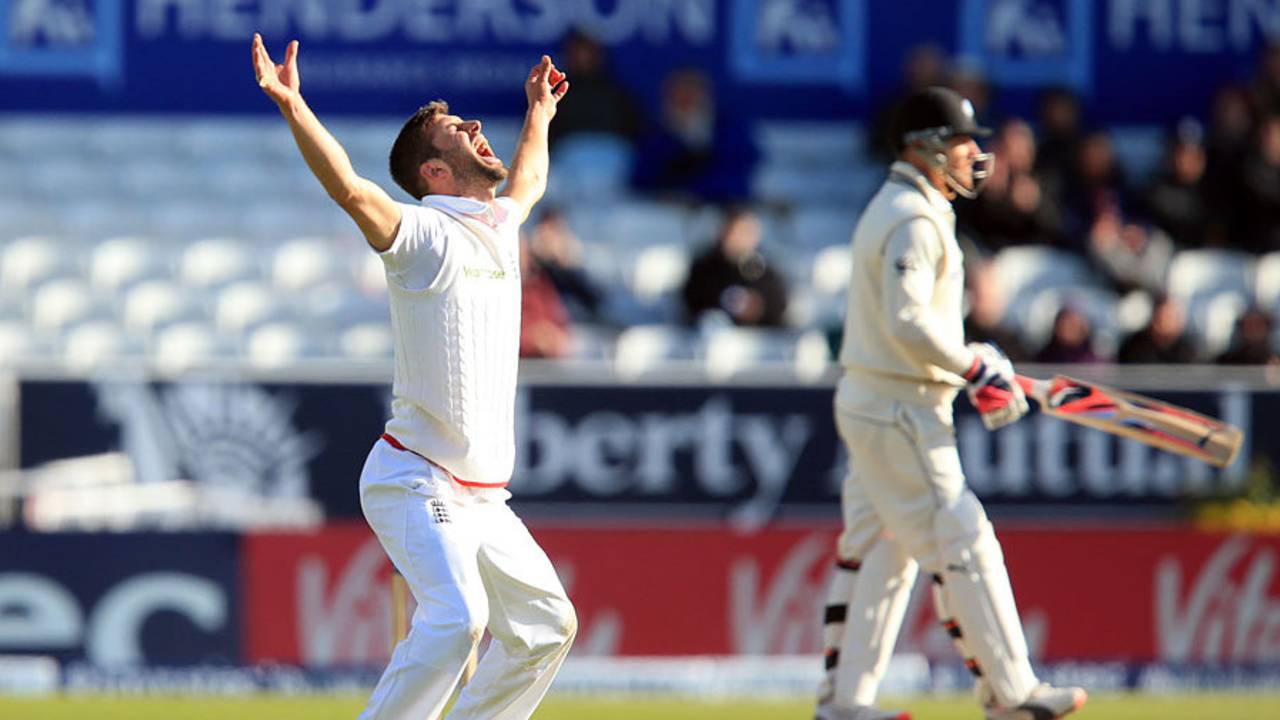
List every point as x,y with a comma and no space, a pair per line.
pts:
1155,423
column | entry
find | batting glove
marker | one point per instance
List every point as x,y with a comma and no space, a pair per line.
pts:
992,388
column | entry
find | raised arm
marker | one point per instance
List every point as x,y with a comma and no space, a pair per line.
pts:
376,214
528,179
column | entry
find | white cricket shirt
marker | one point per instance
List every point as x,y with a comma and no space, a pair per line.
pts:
904,324
453,277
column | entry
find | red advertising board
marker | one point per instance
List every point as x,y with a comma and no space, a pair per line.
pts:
1084,593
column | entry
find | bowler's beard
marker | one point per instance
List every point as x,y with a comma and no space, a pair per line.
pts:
470,171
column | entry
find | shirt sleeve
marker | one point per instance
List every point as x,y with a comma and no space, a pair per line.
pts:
416,256
910,274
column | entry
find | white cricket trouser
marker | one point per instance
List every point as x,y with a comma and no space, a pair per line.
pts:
906,488
471,564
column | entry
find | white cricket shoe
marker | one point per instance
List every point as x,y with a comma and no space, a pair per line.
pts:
858,712
1046,703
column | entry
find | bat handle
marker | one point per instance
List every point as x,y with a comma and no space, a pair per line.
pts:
1033,388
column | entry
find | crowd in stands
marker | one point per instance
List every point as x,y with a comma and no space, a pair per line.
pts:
1057,183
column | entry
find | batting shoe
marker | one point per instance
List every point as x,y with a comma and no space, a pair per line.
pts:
858,712
1046,703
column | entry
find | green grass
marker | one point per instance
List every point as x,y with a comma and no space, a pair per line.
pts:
1104,707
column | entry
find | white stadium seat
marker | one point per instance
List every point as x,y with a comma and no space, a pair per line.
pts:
367,341
153,304
644,347
732,350
119,262
244,305
182,345
1194,273
216,262
89,344
658,271
28,261
60,303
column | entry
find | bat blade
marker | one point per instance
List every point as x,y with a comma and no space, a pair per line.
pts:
1147,420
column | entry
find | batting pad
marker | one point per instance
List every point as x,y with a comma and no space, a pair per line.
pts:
875,597
976,590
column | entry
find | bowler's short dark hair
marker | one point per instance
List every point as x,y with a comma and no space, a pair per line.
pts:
413,147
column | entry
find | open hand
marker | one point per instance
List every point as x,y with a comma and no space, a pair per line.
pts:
280,82
546,85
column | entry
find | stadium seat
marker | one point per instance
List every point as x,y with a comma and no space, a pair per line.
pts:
28,261
1267,282
658,271
244,305
1139,149
367,341
1211,318
217,262
645,347
594,164
89,344
732,350
120,262
17,342
154,304
276,344
1098,305
306,262
182,345
633,225
592,342
820,227
57,304
126,140
1195,273
810,144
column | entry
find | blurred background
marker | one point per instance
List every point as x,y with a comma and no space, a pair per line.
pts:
195,349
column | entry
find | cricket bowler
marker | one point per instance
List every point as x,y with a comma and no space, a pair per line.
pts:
433,487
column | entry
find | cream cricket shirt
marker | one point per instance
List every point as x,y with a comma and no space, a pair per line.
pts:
453,276
904,324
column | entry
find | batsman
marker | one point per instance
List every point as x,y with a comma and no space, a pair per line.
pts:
905,504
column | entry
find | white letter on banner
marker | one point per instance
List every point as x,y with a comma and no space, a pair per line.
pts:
1126,14
547,23
1244,14
306,18
475,15
614,28
117,621
606,445
661,436
153,15
1196,27
230,20
358,23
714,461
424,23
772,453
36,612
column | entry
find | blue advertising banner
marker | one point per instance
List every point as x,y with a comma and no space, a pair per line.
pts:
118,601
736,453
1136,60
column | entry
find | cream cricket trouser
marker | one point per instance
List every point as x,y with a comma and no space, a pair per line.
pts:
906,482
471,564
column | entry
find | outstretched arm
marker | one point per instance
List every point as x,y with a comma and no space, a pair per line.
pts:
528,180
373,210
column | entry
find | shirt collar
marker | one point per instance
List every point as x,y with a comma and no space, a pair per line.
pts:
910,173
467,206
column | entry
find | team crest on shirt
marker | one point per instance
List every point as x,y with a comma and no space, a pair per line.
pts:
439,511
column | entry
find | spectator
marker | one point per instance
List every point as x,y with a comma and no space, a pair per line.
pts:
1265,90
734,278
1060,133
1071,340
1178,202
1261,185
1133,256
695,151
924,66
1096,185
1252,344
1226,149
598,103
1163,340
987,305
1012,208
544,322
558,253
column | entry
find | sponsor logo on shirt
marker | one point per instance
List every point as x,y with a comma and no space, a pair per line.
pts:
484,273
